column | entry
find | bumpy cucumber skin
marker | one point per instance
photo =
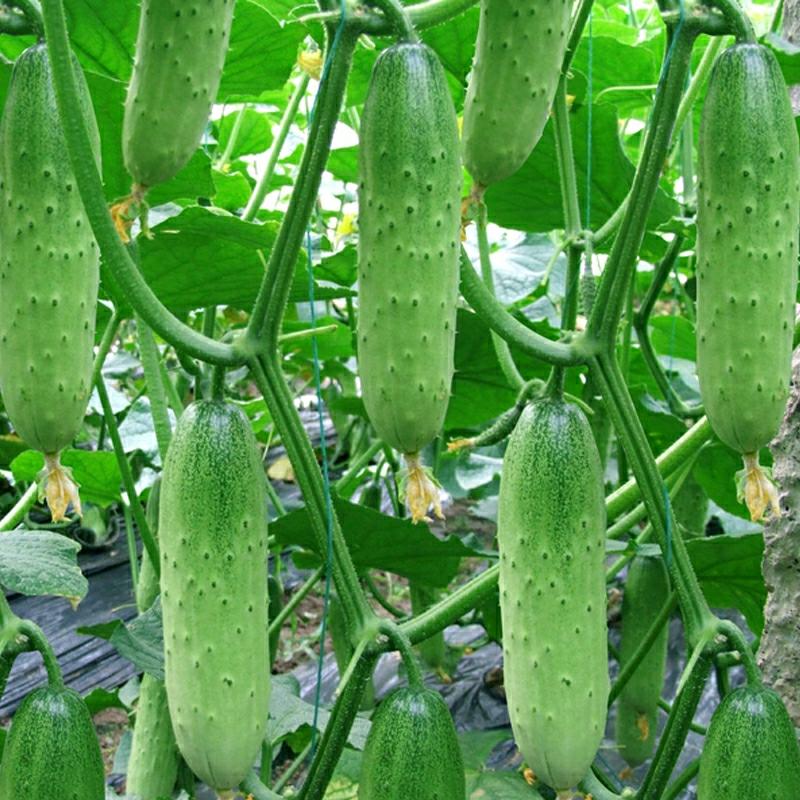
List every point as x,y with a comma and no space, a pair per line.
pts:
52,752
213,536
551,535
750,750
518,58
747,231
180,52
409,224
49,265
154,760
646,591
412,750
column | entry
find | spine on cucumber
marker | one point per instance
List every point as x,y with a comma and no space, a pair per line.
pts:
213,538
551,536
49,271
646,591
180,52
517,67
747,237
750,750
52,752
154,760
412,750
409,224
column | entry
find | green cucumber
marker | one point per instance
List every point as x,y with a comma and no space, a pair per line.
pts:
213,536
747,230
551,535
750,749
409,227
49,272
180,52
646,592
518,59
412,750
52,752
154,759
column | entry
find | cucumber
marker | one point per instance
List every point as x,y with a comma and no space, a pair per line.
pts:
412,750
646,591
409,229
750,750
213,536
517,67
52,752
154,759
180,52
747,231
551,535
49,273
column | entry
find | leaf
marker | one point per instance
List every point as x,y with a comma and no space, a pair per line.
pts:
142,641
487,785
96,473
254,136
288,714
37,563
729,570
376,541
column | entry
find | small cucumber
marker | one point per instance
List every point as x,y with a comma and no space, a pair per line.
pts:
49,272
551,533
52,752
213,537
409,227
520,49
180,52
750,749
747,231
646,591
412,750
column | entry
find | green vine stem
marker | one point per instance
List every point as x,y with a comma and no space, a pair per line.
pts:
381,599
296,599
738,21
422,15
291,770
272,385
627,496
399,641
338,728
126,275
103,349
672,739
264,181
501,322
677,787
38,640
397,16
127,477
223,162
253,787
155,386
18,511
265,322
501,348
643,648
622,260
696,614
734,637
641,320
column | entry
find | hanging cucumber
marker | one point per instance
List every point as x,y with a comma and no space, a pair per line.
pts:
52,752
750,750
180,52
747,231
551,535
409,227
646,592
517,67
213,537
412,750
154,759
49,273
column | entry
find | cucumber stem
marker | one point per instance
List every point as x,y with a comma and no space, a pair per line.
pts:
20,509
35,635
398,18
